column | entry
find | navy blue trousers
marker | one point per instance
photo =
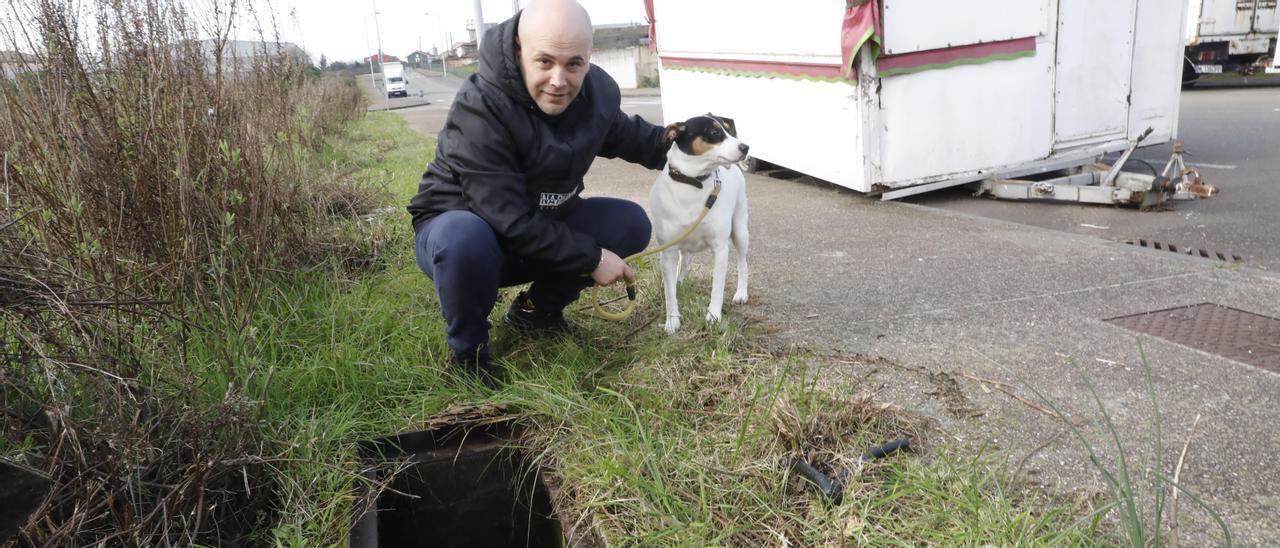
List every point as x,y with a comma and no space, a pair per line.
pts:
461,254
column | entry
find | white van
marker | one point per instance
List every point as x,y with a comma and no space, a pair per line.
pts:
393,80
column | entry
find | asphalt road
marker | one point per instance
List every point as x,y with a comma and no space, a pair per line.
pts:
423,88
1233,136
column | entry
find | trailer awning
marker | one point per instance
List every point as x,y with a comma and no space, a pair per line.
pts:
861,27
653,26
971,54
864,27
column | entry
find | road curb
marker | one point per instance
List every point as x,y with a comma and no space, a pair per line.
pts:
1241,82
398,107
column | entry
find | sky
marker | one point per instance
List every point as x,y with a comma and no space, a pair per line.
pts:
345,30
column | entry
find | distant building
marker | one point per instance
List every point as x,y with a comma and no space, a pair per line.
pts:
465,50
623,52
13,63
238,55
385,58
420,58
471,29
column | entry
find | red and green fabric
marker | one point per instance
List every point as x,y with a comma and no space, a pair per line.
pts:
653,25
972,54
861,27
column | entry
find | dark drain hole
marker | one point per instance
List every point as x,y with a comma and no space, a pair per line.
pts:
471,489
21,491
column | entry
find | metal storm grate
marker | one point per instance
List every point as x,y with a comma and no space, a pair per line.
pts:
1234,334
1203,253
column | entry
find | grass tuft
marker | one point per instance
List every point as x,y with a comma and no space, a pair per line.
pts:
1137,496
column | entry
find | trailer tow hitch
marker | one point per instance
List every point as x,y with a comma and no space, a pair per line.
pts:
1185,189
1102,184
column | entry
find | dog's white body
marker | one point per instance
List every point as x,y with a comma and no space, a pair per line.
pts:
675,206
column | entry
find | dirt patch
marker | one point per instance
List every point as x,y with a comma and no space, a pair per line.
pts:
952,395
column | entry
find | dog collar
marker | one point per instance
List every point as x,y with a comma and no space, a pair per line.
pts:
678,177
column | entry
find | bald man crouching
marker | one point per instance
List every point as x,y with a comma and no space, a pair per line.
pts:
500,206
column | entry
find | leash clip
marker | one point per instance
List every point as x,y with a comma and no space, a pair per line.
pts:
715,192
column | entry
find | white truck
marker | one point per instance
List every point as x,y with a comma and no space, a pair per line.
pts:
1231,35
393,80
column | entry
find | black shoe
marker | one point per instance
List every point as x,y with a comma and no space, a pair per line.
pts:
476,365
524,316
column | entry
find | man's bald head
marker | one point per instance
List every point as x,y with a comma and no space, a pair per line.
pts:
555,19
554,46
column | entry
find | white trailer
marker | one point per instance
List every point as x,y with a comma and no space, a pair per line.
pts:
957,92
1231,35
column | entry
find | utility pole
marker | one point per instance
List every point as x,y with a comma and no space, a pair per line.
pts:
479,22
369,58
377,29
386,105
441,53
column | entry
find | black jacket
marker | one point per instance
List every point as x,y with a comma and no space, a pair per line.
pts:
502,158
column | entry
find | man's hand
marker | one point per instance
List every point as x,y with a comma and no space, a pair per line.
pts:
611,269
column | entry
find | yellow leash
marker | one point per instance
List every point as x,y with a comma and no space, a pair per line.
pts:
630,309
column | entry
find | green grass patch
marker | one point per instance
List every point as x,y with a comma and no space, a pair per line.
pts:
651,439
381,150
463,71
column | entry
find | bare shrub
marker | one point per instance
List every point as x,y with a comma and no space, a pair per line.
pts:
151,181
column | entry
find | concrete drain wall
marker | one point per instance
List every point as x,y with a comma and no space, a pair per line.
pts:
467,489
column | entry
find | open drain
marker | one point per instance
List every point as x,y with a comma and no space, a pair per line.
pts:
457,485
1186,250
21,491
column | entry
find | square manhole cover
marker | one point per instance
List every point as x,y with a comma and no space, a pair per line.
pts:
1235,334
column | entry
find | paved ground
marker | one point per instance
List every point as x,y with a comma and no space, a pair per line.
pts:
923,301
1234,138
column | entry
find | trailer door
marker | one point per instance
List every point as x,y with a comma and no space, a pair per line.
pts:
1093,75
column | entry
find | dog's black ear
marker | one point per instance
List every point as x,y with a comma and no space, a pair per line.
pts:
673,132
726,122
730,127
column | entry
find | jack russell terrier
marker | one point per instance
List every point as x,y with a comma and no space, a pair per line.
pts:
705,154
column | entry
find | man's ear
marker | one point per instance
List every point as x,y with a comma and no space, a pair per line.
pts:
674,131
